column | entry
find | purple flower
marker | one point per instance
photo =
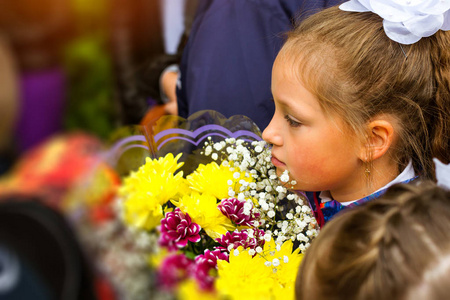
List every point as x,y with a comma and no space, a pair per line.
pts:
234,210
177,229
241,238
205,266
174,269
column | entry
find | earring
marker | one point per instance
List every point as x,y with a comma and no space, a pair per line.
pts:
367,172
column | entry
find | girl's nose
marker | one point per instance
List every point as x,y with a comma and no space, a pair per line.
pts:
272,134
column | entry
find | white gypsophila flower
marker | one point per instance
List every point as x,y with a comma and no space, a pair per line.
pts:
219,146
300,223
208,150
301,237
281,238
306,209
406,21
275,262
280,189
265,191
243,182
290,197
284,176
248,205
214,156
251,252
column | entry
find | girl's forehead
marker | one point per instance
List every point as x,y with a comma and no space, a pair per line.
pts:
286,67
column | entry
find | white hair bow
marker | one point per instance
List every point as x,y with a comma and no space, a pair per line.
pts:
406,21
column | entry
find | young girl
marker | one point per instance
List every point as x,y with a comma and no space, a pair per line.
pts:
397,247
357,111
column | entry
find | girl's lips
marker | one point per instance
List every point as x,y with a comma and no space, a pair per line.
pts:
276,162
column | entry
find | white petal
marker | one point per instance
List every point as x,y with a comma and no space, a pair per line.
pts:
366,3
437,7
353,5
391,11
446,25
397,32
424,25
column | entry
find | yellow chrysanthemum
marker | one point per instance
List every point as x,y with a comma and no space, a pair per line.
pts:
244,277
213,179
188,290
288,263
202,208
269,275
146,190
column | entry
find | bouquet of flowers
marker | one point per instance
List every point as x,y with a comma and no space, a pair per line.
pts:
220,221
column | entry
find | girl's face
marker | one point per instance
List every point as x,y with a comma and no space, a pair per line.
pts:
316,150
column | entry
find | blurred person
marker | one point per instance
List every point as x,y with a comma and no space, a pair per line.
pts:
161,74
136,39
9,103
395,247
37,31
227,61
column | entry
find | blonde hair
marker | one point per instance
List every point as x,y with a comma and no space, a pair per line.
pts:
358,73
395,247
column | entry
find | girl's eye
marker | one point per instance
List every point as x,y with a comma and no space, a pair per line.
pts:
292,122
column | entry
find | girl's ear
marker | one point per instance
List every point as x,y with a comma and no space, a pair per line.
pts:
380,138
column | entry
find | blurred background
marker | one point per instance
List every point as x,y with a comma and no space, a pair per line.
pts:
78,65
72,72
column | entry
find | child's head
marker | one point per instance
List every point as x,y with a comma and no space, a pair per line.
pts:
395,247
390,101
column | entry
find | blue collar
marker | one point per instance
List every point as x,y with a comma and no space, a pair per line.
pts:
331,208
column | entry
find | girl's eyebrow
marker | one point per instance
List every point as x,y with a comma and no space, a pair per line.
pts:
282,102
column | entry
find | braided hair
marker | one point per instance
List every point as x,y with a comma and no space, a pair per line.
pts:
395,247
